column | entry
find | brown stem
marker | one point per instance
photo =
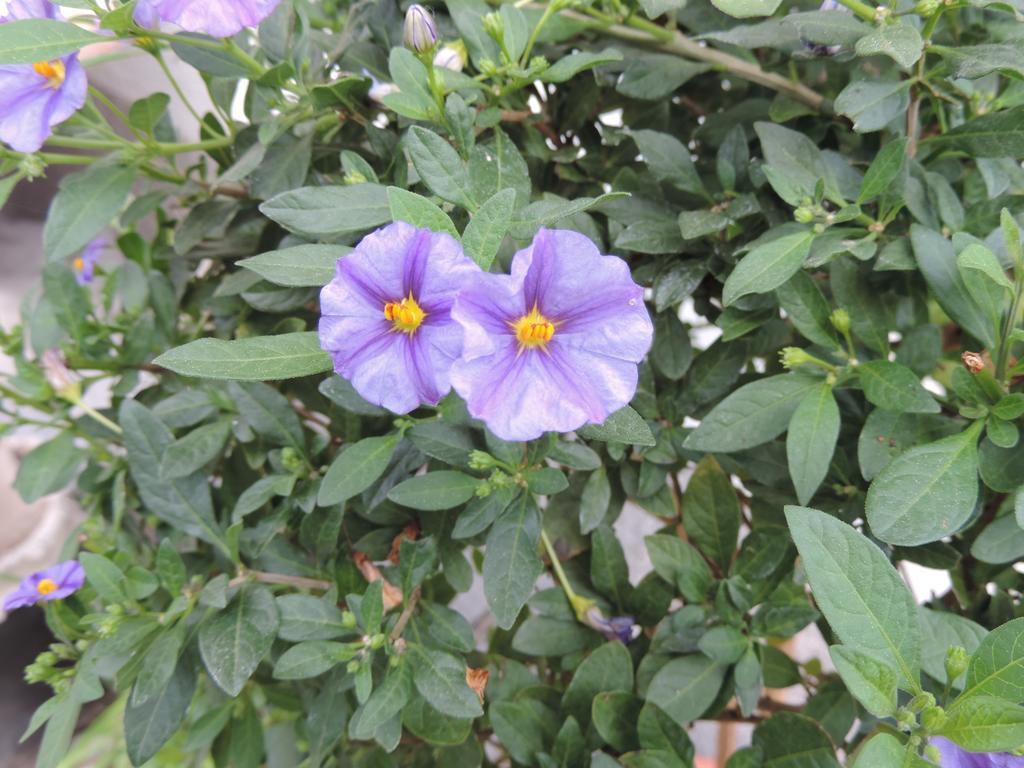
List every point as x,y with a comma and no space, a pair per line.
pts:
403,619
265,577
912,117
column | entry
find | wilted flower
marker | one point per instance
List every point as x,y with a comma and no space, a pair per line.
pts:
217,18
555,345
955,757
62,380
420,30
386,315
453,56
36,97
973,361
621,628
85,265
476,679
53,583
378,90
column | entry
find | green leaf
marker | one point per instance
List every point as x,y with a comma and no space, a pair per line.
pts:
984,724
811,440
303,617
60,728
147,112
997,667
259,358
234,641
268,412
609,668
745,9
623,426
329,212
311,659
797,159
48,468
571,65
103,576
997,134
547,212
669,160
356,469
384,703
435,490
594,501
297,267
753,414
184,503
789,740
711,512
195,450
883,169
148,726
895,387
940,630
977,259
511,564
882,750
488,227
767,266
807,308
926,493
439,166
86,202
419,211
872,105
440,678
686,686
900,42
26,41
158,665
680,564
859,592
872,682
937,262
614,715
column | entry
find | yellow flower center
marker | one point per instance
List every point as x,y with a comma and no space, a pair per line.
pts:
53,71
46,586
533,329
79,264
406,315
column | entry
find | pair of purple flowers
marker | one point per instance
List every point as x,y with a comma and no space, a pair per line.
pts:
52,583
34,98
549,348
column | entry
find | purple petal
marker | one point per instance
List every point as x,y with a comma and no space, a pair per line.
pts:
954,756
25,595
222,18
28,9
29,108
68,576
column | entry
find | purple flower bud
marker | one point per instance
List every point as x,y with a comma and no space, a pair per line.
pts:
452,56
621,628
420,30
51,583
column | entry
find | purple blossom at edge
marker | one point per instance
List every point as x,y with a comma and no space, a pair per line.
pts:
397,369
586,371
956,757
217,18
85,265
58,581
31,103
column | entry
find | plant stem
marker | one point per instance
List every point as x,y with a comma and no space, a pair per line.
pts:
264,577
403,618
580,605
644,33
1005,342
97,416
174,84
863,10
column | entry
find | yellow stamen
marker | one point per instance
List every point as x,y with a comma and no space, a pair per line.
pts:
53,71
533,329
79,264
406,315
46,586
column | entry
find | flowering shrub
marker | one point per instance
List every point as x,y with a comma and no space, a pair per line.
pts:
363,379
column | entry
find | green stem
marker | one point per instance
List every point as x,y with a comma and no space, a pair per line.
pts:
580,605
78,143
51,158
97,416
644,33
549,11
863,10
256,70
1005,340
114,110
174,84
198,146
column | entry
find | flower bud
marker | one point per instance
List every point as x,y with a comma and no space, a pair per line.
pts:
973,361
348,619
841,321
453,56
803,214
791,357
905,718
420,30
921,702
926,8
494,27
481,460
352,667
933,753
377,641
957,659
933,718
292,460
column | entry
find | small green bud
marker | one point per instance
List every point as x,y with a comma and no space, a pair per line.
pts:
488,67
926,8
905,718
353,666
933,718
348,619
921,702
292,460
957,660
932,753
377,641
115,609
803,214
46,659
791,357
494,26
841,321
32,167
480,460
354,177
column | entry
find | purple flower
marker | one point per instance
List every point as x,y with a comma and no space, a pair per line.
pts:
36,97
420,32
386,315
85,265
53,583
378,90
955,757
621,628
554,345
217,18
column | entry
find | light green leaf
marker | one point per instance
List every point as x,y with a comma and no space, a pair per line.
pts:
488,227
419,211
900,42
26,41
997,667
745,9
872,682
440,678
768,266
259,358
329,212
883,169
86,202
297,267
48,468
623,426
439,166
984,724
571,65
863,598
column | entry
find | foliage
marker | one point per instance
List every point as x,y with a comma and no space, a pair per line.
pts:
823,206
